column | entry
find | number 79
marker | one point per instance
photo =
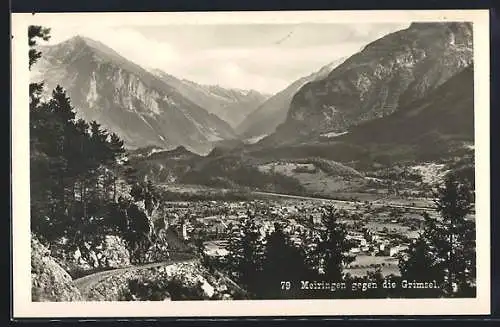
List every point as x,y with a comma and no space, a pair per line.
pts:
286,285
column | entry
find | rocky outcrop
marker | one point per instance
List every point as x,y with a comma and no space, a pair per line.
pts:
49,281
127,99
111,252
386,75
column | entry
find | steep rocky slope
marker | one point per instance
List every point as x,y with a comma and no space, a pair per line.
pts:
271,113
439,126
387,74
49,281
440,123
230,105
127,99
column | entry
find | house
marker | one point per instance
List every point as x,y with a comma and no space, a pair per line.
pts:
355,250
215,250
316,218
360,240
394,250
218,227
185,235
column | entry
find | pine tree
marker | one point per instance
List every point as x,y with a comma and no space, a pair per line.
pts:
456,240
36,32
420,263
333,247
245,251
283,261
446,249
115,146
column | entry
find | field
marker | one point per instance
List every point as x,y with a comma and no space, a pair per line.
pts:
318,177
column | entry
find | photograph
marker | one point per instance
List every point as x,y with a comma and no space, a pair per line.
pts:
221,162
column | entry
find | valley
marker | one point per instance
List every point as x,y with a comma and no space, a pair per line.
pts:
381,229
149,186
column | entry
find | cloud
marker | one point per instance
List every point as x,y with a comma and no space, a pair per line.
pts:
239,56
268,69
126,41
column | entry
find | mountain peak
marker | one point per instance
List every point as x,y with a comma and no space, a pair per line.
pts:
103,50
76,39
387,74
427,25
126,98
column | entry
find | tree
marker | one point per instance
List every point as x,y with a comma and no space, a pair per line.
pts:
283,261
456,240
34,34
332,252
420,263
446,249
115,145
245,251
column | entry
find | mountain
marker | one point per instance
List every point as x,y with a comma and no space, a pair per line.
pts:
230,105
437,127
387,74
271,113
126,99
438,124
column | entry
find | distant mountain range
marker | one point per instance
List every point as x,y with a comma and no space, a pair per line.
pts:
386,75
264,120
144,108
230,105
406,97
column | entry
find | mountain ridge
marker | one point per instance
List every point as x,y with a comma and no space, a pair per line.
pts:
386,74
126,98
229,104
264,119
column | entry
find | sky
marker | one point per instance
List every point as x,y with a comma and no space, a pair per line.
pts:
263,57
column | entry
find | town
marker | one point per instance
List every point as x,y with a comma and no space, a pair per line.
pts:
379,234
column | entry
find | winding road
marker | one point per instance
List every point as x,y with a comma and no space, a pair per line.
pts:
84,284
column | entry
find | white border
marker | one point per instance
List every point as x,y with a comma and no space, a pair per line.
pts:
24,308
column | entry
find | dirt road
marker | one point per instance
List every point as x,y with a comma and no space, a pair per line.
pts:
87,282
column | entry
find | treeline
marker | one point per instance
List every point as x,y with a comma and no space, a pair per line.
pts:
274,266
79,173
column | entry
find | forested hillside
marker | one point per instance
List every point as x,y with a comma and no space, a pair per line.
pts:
86,203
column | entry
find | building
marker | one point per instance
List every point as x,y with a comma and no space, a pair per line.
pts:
185,235
355,250
359,239
392,251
